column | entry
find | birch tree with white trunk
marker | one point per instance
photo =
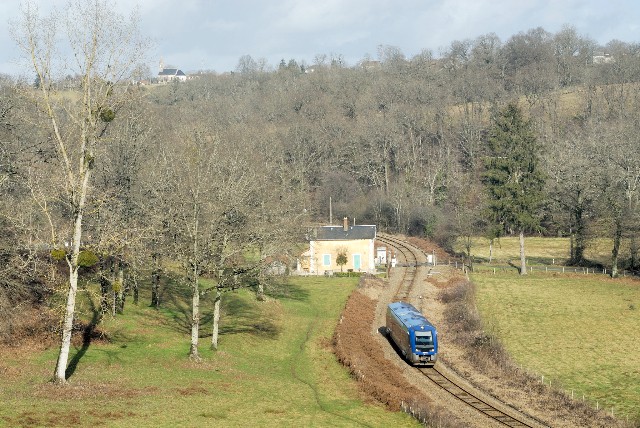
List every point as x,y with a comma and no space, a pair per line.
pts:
101,48
186,181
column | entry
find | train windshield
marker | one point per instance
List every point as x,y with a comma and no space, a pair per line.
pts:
424,341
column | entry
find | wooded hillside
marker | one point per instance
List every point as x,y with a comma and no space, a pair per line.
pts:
219,175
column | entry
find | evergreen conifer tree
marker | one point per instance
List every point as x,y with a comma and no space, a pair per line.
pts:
512,176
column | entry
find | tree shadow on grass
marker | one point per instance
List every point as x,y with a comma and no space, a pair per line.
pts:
238,315
513,265
175,305
284,290
89,333
247,317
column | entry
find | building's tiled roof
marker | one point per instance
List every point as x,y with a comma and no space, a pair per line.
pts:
337,233
171,72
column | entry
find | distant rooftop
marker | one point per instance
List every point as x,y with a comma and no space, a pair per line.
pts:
171,72
338,233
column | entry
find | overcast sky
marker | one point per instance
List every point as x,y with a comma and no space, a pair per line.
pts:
214,34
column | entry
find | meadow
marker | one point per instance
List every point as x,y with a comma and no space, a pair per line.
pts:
580,332
540,251
274,368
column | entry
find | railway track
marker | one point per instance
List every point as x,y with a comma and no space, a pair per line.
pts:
413,258
471,399
409,261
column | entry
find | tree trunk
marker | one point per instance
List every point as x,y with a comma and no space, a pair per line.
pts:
572,252
616,249
105,286
114,301
121,293
70,308
490,250
387,167
67,327
216,321
155,282
467,246
523,264
114,292
195,314
633,249
578,251
260,294
134,277
579,243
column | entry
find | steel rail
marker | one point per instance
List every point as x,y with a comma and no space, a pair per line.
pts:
432,373
472,400
410,265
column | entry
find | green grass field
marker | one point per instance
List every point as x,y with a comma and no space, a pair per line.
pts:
274,368
580,331
540,250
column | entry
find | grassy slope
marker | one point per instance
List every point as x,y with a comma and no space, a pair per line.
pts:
274,368
541,250
579,331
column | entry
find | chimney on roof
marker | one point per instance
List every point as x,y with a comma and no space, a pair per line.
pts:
346,224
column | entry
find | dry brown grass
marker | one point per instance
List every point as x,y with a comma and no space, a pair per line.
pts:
357,350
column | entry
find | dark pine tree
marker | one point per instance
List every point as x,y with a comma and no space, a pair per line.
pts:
512,175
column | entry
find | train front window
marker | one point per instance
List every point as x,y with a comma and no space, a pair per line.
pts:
424,341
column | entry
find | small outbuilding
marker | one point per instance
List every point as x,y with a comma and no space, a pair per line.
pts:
381,256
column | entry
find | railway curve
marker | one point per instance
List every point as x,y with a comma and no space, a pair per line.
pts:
411,267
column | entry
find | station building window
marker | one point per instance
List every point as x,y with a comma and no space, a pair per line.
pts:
326,260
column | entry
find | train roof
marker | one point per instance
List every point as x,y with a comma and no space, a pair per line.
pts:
410,316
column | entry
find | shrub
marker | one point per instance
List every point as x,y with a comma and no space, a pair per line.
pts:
87,259
347,274
117,286
58,254
107,115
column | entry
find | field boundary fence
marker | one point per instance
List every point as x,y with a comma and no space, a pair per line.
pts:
511,267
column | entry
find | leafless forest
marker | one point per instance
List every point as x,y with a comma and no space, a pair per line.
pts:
102,175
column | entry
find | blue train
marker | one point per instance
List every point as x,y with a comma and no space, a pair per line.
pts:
412,333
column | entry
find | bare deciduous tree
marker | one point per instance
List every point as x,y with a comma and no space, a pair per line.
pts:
88,40
186,182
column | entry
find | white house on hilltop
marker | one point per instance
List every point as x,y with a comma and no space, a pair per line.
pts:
169,74
166,75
